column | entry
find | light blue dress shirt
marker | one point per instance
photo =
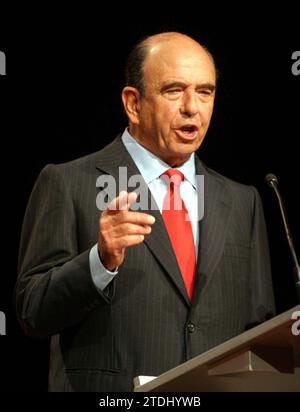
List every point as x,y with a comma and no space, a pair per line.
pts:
151,168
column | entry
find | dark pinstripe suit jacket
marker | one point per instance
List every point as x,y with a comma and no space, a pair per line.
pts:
139,324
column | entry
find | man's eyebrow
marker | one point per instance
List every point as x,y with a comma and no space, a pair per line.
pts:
210,86
173,84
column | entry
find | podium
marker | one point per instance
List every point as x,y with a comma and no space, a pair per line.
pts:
265,358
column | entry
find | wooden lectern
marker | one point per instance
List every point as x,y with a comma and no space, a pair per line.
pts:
263,359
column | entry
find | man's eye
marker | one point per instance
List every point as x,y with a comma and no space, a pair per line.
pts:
173,91
205,92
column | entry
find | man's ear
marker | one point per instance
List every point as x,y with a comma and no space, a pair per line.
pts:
131,102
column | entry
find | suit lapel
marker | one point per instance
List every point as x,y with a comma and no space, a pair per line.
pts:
109,160
213,227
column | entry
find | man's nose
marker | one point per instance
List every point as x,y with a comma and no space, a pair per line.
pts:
189,105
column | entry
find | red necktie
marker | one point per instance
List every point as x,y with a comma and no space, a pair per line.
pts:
177,222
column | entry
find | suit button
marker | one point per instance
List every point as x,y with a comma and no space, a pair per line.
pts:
191,327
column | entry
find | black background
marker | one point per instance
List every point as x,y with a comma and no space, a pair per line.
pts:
60,100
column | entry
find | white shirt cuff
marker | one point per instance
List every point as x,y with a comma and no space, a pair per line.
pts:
101,276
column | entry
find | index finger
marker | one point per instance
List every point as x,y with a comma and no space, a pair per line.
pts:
123,201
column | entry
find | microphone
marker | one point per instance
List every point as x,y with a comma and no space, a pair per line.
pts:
272,181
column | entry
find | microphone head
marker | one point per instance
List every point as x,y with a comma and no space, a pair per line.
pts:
271,179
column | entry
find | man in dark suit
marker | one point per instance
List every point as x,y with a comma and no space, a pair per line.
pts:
114,289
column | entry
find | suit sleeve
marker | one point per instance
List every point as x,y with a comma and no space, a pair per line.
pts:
262,297
54,289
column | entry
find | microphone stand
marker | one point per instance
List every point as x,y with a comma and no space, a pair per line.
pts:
271,180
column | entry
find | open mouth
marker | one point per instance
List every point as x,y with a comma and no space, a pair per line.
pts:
188,132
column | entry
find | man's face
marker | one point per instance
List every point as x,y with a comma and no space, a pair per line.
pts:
174,114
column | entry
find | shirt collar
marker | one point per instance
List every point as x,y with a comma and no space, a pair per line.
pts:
150,166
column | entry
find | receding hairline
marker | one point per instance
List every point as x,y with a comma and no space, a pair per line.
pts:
136,61
151,41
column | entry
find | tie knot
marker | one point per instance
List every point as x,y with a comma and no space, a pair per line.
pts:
175,176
